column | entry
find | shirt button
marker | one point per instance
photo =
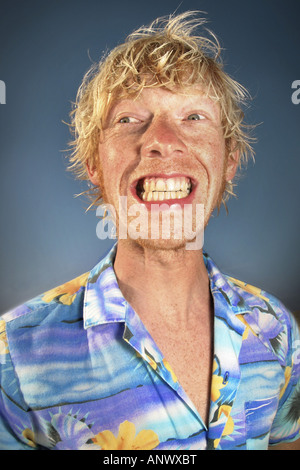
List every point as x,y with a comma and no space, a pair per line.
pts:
225,378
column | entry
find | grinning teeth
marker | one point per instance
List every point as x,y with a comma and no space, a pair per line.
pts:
152,185
166,184
160,189
160,185
163,195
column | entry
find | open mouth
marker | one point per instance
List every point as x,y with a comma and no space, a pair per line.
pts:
163,188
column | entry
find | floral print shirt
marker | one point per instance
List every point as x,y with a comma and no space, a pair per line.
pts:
80,371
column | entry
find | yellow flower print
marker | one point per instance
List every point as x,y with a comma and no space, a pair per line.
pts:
3,338
169,368
216,384
248,327
127,440
248,288
29,436
150,359
229,426
66,293
226,409
152,362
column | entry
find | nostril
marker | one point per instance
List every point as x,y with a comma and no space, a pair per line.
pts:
155,153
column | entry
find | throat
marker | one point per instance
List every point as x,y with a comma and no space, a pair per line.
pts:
167,283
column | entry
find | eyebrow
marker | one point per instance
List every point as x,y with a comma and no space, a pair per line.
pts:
204,102
114,107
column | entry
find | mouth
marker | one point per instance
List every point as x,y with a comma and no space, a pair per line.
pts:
163,188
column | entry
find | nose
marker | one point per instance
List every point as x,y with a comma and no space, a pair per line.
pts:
162,140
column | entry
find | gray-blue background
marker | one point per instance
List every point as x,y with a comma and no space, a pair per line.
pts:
46,47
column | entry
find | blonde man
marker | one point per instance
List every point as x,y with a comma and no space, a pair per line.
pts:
154,348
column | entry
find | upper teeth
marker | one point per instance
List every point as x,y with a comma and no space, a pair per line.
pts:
159,189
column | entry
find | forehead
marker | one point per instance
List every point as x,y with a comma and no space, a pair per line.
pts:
161,97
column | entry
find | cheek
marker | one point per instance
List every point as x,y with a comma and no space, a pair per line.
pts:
112,168
218,153
211,156
109,159
105,172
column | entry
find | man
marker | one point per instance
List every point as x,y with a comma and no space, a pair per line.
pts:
154,348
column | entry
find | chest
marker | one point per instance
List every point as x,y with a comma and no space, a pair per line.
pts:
189,354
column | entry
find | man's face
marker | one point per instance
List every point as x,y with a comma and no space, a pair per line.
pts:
164,147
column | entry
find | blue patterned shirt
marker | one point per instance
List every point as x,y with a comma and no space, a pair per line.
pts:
79,370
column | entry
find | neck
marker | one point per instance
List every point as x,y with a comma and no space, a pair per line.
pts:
168,284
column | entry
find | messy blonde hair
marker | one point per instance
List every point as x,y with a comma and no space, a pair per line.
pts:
165,54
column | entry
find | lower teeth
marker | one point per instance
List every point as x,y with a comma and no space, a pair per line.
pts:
163,195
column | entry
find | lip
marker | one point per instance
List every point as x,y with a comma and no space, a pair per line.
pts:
166,204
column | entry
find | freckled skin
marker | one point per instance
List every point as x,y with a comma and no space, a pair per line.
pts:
161,139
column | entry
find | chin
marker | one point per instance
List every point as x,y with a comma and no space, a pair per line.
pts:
162,244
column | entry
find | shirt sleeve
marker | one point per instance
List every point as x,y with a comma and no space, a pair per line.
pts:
15,421
286,425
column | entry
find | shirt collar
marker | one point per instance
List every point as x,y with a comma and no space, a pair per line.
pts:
104,302
103,299
235,303
242,306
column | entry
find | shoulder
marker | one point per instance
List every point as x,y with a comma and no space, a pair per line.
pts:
267,317
259,300
243,298
57,303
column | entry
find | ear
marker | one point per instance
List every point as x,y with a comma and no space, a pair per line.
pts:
93,173
232,165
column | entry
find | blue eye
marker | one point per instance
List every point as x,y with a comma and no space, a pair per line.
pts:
195,117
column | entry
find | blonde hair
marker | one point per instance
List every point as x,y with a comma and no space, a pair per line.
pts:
165,54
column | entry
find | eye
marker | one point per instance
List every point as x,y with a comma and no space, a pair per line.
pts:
195,117
128,120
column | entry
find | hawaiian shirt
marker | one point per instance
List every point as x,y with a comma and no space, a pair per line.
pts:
79,371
